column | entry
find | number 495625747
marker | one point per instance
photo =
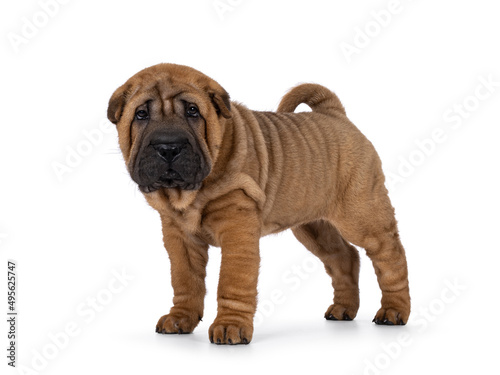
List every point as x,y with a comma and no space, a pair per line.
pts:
11,285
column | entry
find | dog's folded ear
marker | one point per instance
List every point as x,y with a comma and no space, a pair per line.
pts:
116,103
221,102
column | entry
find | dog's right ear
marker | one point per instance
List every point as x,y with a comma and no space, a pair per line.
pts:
116,103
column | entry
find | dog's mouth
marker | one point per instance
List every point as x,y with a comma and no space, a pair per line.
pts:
170,176
169,180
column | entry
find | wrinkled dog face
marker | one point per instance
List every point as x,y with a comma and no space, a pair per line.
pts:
169,153
169,132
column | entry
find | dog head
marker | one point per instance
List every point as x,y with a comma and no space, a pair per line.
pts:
170,125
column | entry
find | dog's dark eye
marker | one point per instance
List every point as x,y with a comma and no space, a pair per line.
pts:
192,110
141,115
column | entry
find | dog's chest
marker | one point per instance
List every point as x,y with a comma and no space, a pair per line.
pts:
190,221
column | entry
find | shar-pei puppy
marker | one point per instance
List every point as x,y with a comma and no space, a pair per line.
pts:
221,174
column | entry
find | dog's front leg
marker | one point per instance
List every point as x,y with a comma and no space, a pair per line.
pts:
236,226
188,260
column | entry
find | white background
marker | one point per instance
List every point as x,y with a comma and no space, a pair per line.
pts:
71,235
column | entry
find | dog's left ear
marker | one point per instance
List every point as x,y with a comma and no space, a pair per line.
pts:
220,100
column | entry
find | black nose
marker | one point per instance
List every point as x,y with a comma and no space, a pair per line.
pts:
169,151
169,145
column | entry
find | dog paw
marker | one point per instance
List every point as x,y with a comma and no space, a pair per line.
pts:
176,323
340,312
391,317
231,333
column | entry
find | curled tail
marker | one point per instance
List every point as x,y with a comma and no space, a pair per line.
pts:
318,97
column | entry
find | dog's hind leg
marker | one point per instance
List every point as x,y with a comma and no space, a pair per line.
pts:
341,262
366,219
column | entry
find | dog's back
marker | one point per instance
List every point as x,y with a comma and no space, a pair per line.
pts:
308,154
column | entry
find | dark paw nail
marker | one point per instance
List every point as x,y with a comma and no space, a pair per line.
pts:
387,322
230,341
331,317
244,341
180,331
163,331
347,317
218,341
